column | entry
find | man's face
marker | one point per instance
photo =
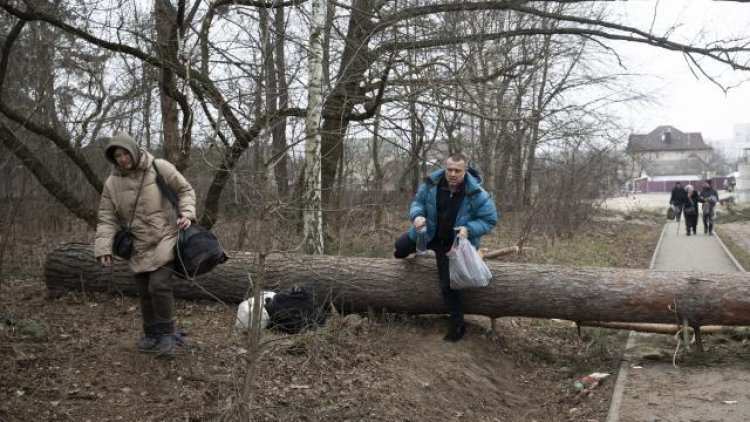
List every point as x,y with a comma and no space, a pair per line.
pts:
455,171
123,159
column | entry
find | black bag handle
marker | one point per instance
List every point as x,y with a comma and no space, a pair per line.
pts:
166,190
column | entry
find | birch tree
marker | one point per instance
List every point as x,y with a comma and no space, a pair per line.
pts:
313,201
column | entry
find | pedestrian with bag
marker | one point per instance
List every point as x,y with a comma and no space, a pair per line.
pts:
137,222
709,197
677,200
449,202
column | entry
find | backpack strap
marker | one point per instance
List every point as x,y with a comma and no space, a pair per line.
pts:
166,190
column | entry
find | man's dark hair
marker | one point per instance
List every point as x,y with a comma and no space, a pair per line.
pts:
457,157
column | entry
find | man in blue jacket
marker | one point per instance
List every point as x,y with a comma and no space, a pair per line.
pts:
449,201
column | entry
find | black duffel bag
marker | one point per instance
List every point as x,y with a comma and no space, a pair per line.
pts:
197,250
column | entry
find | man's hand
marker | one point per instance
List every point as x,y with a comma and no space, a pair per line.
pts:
183,223
105,260
419,222
463,232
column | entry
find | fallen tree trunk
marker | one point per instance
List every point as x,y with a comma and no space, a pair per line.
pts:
735,332
497,253
410,286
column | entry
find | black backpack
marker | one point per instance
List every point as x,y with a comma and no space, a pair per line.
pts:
198,250
293,310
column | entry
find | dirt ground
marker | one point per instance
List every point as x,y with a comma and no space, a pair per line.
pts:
695,387
72,358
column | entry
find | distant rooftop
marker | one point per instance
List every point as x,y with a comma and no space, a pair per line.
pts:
667,138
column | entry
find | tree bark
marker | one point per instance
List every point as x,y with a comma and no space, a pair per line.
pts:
312,199
410,286
166,34
280,146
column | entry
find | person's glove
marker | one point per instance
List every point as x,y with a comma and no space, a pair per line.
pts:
419,222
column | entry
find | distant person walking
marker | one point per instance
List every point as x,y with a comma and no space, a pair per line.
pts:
690,209
709,197
677,200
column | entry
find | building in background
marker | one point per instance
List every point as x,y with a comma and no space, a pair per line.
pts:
742,142
666,155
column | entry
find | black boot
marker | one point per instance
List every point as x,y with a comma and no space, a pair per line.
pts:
455,332
150,339
166,338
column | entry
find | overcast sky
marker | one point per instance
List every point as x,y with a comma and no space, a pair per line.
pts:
688,103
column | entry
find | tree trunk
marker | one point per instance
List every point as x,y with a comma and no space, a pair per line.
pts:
410,286
58,189
355,60
280,146
166,34
312,202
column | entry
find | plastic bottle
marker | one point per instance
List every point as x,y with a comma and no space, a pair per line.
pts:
421,240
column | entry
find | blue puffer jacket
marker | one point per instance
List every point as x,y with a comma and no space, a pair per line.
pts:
477,212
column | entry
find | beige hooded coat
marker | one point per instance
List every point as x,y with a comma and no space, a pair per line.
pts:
155,223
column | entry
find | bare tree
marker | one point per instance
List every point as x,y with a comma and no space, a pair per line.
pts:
382,48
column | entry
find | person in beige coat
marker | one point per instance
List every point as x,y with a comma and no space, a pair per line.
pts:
131,192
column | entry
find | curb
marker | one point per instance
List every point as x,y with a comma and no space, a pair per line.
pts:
729,254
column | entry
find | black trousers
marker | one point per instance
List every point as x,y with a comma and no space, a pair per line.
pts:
691,222
452,298
155,294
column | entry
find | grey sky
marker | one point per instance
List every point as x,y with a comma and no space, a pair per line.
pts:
690,104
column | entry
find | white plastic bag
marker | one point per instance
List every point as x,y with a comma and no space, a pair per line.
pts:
246,309
467,269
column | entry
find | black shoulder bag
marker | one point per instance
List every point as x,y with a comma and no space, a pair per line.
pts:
122,245
197,250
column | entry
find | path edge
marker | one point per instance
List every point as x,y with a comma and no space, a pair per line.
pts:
614,406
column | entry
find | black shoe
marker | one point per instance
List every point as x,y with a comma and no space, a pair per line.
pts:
149,341
165,346
688,233
147,344
166,339
455,333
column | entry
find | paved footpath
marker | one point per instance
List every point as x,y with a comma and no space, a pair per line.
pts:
649,387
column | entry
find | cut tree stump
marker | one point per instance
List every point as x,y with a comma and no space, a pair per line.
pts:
410,286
